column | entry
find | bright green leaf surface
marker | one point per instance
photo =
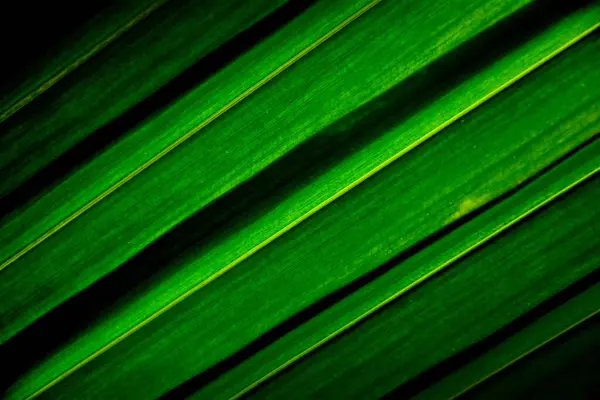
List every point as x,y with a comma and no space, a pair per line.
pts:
212,168
375,224
468,302
432,260
368,198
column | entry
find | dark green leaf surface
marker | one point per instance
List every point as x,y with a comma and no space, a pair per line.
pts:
567,367
306,199
62,53
561,313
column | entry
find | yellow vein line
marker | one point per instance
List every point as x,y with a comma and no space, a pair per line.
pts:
527,353
311,212
185,295
412,285
79,61
189,134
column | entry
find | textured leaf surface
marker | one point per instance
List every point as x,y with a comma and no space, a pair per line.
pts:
305,199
